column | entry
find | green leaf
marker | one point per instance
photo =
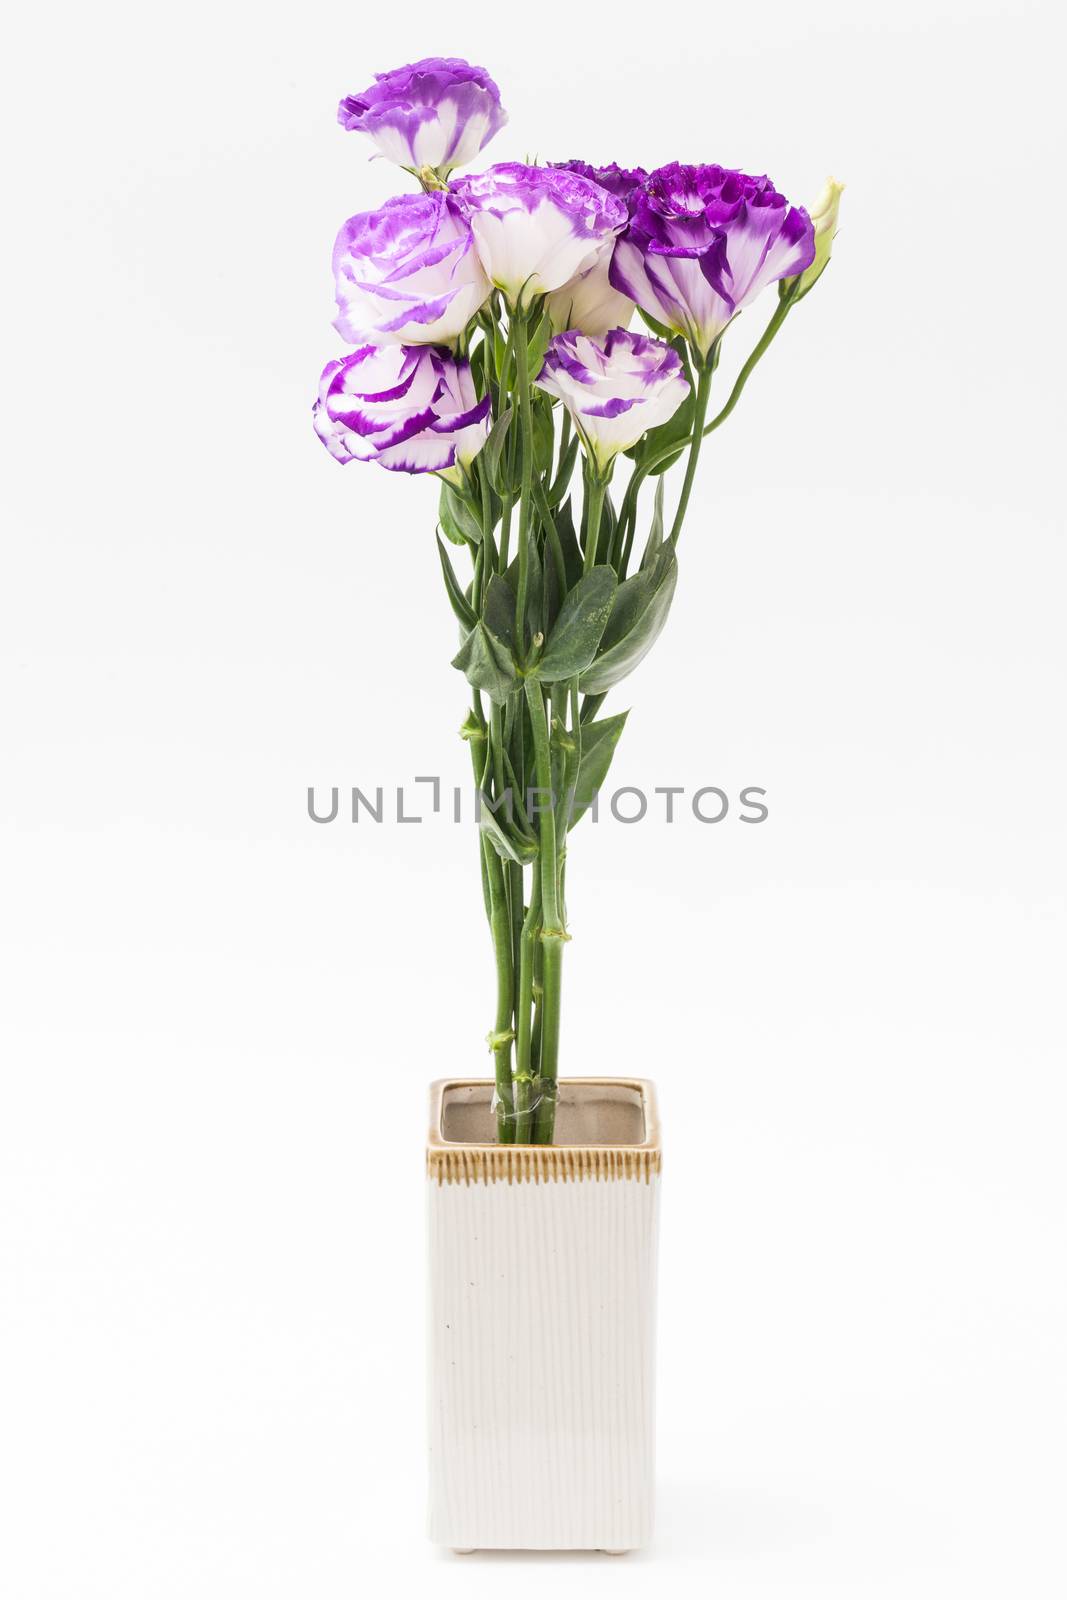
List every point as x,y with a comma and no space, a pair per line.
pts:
493,454
598,746
457,517
509,841
448,527
655,533
550,593
537,344
658,328
499,346
578,629
636,621
457,599
486,664
534,589
568,539
523,825
607,534
557,763
668,461
477,358
498,610
544,434
563,476
472,728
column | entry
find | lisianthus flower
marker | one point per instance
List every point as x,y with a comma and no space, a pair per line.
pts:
702,243
537,228
411,409
615,388
623,182
408,273
434,113
588,303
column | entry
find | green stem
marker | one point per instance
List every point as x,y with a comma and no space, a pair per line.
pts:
516,896
640,473
522,379
505,365
488,548
538,1005
700,411
553,933
548,522
515,767
496,747
551,987
502,1035
618,543
475,743
573,761
781,312
595,487
508,497
564,440
524,1072
591,704
511,875
505,527
500,930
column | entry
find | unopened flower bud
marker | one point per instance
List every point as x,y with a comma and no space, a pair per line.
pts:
824,217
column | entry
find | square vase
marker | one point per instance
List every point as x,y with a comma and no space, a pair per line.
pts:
542,1303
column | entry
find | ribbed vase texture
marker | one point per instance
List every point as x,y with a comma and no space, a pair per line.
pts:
542,1326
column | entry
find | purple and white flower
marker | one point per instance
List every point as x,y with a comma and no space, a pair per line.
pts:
434,113
623,182
411,409
588,303
408,273
702,243
537,228
615,389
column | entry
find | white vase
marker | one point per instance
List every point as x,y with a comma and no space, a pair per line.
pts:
542,1321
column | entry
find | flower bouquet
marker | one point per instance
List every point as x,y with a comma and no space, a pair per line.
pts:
492,323
491,318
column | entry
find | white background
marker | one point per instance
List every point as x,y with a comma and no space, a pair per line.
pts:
219,1019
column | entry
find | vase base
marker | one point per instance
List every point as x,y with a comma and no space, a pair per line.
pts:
469,1550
